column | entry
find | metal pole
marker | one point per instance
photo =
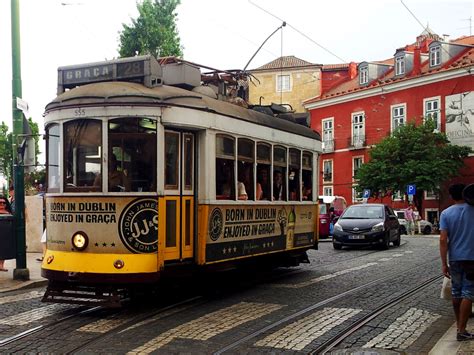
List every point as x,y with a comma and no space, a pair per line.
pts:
21,272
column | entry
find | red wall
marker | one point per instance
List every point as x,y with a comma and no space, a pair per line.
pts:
377,125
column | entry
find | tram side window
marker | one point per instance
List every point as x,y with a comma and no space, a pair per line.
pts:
52,156
131,155
294,175
279,173
245,172
307,177
263,171
225,168
82,155
171,160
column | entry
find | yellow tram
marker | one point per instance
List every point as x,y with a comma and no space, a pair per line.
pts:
149,173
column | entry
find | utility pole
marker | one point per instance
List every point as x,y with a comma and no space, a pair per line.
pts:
21,272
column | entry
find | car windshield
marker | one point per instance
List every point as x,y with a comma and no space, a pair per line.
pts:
363,212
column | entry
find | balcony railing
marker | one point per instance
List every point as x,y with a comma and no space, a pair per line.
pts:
356,142
327,177
328,146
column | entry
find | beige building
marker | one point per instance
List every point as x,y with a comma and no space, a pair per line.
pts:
286,80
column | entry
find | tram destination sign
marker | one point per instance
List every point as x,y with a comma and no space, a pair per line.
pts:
143,69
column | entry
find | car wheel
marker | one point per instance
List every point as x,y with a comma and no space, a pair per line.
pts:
337,246
403,230
397,241
427,230
386,242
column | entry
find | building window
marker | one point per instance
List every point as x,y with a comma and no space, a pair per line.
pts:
397,196
398,116
327,171
431,195
399,65
432,109
328,135
356,164
357,195
327,191
435,56
363,75
283,83
358,129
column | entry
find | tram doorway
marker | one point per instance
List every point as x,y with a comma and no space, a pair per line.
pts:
176,208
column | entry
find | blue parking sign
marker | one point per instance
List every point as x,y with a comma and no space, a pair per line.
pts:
366,193
411,189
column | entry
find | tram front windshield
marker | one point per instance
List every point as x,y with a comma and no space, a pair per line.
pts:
128,159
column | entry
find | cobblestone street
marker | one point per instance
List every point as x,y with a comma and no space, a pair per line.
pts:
287,311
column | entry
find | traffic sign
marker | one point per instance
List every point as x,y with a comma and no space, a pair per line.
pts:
411,189
366,193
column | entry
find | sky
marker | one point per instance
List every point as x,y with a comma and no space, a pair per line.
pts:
223,34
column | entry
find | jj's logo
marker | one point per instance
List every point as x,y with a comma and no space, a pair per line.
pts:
138,226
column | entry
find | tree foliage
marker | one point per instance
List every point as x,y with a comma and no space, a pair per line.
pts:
411,155
6,149
153,32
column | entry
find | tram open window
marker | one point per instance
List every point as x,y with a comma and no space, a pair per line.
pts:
82,155
264,164
307,177
131,155
171,160
52,157
245,172
225,167
279,173
294,184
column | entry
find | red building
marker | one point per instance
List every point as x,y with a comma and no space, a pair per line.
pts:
432,77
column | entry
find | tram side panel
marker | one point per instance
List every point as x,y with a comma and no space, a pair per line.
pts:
236,231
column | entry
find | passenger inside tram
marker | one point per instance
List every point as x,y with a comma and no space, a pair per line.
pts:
118,181
263,184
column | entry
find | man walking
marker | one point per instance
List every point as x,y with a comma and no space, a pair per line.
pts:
456,243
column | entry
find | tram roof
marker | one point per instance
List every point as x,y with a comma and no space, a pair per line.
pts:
127,93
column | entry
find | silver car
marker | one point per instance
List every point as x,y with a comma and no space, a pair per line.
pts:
425,226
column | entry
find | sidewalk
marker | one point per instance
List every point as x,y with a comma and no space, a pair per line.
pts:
6,278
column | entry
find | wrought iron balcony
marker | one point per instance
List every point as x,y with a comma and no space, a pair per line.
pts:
328,145
356,142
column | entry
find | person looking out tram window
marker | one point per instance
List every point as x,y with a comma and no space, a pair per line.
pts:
118,181
241,184
278,187
263,184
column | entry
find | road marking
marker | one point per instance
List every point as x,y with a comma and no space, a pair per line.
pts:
404,331
408,252
385,259
325,277
105,325
397,255
299,334
31,316
210,325
21,297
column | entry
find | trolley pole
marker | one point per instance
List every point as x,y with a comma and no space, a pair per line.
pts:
21,272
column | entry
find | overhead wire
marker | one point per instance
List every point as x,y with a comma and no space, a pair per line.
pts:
298,31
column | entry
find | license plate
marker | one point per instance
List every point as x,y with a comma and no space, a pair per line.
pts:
357,237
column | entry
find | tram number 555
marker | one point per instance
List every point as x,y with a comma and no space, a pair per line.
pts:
79,112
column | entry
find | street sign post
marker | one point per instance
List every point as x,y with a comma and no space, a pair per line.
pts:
411,191
365,195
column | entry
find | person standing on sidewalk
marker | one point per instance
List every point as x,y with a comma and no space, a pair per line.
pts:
5,208
456,244
410,218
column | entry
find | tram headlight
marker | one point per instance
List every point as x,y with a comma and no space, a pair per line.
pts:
80,240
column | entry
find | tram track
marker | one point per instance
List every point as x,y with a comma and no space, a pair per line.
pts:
334,341
338,338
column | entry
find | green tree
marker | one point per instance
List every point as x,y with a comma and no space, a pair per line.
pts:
411,155
5,151
153,32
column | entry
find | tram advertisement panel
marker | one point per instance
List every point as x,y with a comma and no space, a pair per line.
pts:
113,225
236,231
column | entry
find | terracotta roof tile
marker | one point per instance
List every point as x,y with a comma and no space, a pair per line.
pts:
286,62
